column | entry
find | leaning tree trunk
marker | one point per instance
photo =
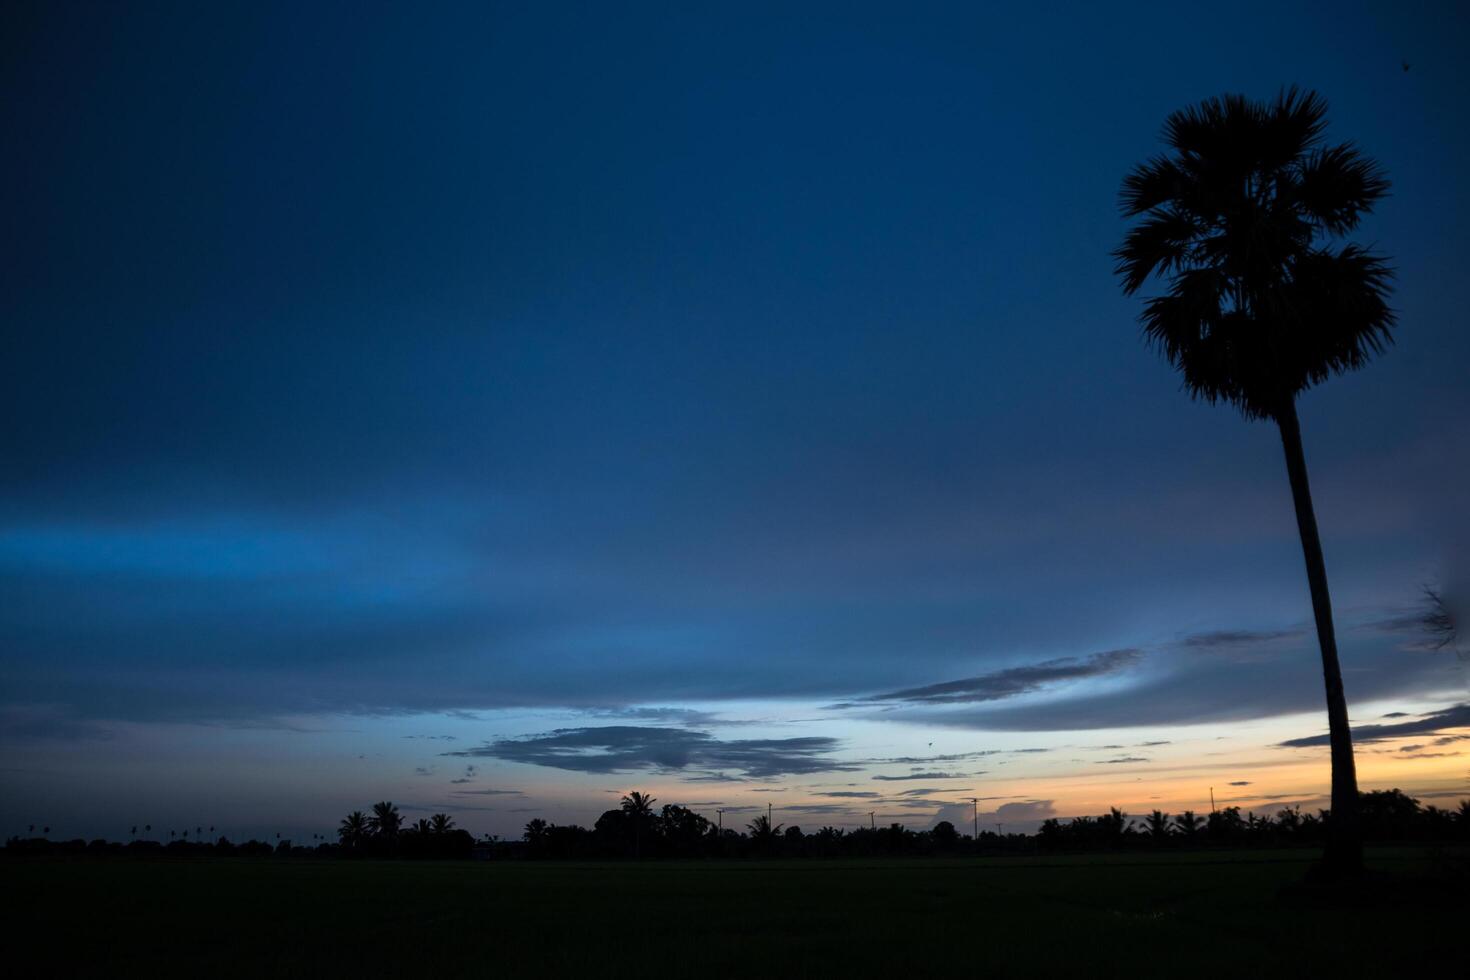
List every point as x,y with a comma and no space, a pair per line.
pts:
1344,837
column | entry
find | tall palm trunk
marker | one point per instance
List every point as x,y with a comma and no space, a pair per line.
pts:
1344,843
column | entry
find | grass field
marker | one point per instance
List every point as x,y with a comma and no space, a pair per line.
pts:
1175,915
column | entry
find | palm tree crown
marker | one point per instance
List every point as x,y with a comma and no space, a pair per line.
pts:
353,829
1258,307
638,805
386,820
762,829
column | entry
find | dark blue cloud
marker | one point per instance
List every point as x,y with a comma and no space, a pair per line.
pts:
624,748
1431,724
1182,688
1015,681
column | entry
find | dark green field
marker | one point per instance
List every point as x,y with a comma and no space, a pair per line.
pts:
1211,914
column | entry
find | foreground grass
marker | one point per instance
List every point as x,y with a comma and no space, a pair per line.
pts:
1136,915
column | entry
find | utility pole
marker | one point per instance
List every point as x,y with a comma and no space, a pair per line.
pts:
975,809
769,826
721,812
1212,799
872,821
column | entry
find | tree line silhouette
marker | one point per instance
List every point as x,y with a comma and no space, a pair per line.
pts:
636,830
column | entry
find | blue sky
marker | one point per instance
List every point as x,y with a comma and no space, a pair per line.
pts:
500,371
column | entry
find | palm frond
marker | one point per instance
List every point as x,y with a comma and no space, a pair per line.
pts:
1333,316
1160,243
1336,186
1151,185
1291,127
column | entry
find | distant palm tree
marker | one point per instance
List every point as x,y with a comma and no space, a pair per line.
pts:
1116,822
441,823
536,831
386,821
421,826
1156,825
763,830
354,829
1188,823
639,808
1261,306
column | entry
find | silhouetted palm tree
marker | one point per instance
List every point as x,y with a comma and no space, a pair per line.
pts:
386,820
1261,306
638,806
639,809
1156,825
441,823
1188,823
421,826
354,829
763,830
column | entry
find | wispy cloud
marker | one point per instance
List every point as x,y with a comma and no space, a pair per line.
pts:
930,791
1430,724
627,748
848,795
1012,681
486,792
689,717
1237,639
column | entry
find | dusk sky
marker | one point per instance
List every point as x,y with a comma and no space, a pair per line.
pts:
496,408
